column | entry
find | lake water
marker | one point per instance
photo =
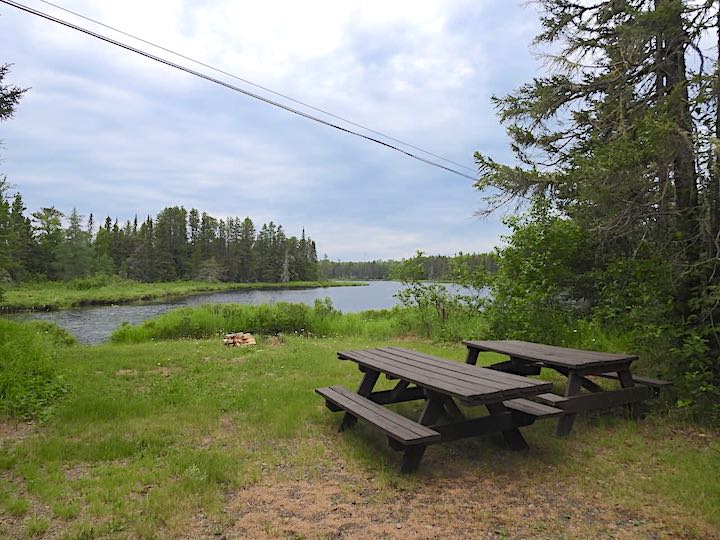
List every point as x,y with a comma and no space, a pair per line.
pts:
95,324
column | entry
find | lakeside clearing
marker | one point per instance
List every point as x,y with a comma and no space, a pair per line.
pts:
189,438
51,296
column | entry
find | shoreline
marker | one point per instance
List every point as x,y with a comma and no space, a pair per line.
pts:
49,297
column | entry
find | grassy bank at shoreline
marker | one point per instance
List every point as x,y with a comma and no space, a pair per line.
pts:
189,438
51,296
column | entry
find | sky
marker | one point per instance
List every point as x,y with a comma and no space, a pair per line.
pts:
109,132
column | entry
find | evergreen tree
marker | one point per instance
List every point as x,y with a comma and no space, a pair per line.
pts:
245,250
23,248
620,142
49,232
74,255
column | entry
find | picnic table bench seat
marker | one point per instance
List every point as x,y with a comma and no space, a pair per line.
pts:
394,425
657,384
533,408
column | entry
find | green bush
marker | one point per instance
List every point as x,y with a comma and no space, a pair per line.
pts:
95,282
29,379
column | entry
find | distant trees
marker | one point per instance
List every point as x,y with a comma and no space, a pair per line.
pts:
176,244
434,267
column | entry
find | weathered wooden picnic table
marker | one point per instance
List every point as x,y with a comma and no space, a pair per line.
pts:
442,384
528,358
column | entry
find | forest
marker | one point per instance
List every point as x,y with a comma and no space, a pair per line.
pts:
175,244
435,267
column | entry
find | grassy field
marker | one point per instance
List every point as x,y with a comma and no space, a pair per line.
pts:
50,296
192,439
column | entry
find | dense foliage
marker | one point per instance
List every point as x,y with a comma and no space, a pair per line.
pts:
29,379
434,267
177,244
619,164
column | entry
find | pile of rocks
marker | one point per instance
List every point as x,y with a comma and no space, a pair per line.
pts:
238,339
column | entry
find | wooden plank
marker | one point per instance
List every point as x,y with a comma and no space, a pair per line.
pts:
385,397
376,414
552,355
532,408
389,422
565,424
423,378
462,380
501,421
475,380
551,399
510,379
389,359
647,381
512,436
603,400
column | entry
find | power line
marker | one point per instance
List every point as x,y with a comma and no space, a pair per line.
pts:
261,87
229,86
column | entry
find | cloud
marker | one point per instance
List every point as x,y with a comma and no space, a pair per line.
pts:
112,133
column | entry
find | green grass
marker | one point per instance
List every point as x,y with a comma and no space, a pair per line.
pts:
154,434
321,321
29,379
55,295
216,319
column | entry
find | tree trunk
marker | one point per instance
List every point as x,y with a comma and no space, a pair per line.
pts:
684,173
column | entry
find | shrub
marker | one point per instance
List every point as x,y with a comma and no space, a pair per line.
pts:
29,379
94,282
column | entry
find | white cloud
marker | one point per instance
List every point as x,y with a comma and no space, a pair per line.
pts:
113,133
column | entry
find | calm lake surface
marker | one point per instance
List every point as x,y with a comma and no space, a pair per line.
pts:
95,324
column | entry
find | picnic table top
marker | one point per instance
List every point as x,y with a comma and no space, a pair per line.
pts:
551,355
466,382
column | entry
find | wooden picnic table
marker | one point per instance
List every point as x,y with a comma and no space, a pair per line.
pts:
443,384
577,365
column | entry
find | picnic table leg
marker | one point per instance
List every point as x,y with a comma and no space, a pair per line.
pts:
513,437
434,407
366,385
472,356
626,381
584,381
566,421
452,410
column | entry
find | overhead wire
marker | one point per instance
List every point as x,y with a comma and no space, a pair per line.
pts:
229,86
251,83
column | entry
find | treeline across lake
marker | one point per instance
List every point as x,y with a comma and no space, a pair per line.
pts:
176,244
434,267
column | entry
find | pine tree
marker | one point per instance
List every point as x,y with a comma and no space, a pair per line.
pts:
74,255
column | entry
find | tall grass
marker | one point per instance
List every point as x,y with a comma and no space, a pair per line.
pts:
322,320
29,378
212,320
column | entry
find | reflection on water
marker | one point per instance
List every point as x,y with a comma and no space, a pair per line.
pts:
95,324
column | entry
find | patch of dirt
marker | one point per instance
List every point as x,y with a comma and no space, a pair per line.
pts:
341,505
166,371
275,341
12,430
696,436
77,471
126,373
